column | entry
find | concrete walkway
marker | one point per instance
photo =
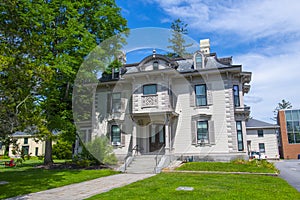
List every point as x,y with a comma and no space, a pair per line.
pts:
85,189
290,171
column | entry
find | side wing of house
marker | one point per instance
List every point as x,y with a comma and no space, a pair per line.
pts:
263,140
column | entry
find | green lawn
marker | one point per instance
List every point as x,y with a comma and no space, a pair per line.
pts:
27,179
260,166
206,186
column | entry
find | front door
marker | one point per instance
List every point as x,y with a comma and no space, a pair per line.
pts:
157,137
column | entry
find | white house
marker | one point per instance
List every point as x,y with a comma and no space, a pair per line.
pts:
26,143
262,137
181,107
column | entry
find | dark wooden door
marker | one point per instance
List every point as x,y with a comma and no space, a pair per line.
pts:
157,138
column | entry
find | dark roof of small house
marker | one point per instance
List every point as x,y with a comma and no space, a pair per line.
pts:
20,133
254,123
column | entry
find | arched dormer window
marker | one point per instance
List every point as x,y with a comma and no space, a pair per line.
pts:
198,61
155,65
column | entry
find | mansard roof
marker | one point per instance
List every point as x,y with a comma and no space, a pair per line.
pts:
182,65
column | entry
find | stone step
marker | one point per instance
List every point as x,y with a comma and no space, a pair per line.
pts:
142,164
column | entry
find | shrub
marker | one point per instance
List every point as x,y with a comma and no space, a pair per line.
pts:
100,151
19,161
239,161
62,150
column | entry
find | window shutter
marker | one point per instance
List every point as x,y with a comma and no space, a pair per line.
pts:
122,139
123,101
192,96
108,103
108,133
211,132
209,94
193,132
123,135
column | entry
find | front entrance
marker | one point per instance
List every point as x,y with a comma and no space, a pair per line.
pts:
157,137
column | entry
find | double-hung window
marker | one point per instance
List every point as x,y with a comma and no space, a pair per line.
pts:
198,61
115,134
201,95
25,140
260,133
261,147
236,96
116,102
239,135
202,131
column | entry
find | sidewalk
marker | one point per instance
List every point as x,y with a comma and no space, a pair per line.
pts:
85,189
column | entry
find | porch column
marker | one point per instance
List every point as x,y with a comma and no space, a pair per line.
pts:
167,136
134,137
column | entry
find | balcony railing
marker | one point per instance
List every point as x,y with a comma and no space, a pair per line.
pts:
149,101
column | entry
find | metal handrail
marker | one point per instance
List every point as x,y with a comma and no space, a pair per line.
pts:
158,153
130,153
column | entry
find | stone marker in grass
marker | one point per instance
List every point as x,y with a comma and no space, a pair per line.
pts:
185,188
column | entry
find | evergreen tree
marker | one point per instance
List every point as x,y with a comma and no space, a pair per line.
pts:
179,28
281,106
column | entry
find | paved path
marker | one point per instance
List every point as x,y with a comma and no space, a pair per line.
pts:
85,189
290,171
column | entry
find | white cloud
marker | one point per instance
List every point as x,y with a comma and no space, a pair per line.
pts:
249,19
268,33
271,31
274,77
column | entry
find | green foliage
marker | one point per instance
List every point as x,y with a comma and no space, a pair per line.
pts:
42,45
238,165
262,164
62,149
179,28
281,106
116,64
19,161
100,151
83,162
284,104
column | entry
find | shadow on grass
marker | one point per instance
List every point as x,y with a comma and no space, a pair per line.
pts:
27,179
32,180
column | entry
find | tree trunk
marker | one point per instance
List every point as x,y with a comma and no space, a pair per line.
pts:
48,152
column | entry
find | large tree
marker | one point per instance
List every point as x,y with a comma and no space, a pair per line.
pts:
178,43
51,39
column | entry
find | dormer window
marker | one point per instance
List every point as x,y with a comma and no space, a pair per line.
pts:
198,60
155,65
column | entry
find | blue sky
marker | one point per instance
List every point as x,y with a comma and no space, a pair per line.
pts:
262,35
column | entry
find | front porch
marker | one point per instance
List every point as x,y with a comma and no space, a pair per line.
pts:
152,133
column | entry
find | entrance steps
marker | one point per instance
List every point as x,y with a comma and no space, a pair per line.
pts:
142,164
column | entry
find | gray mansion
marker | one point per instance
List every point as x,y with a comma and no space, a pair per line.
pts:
187,107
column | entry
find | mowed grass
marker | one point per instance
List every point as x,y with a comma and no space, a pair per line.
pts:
257,166
27,179
206,186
